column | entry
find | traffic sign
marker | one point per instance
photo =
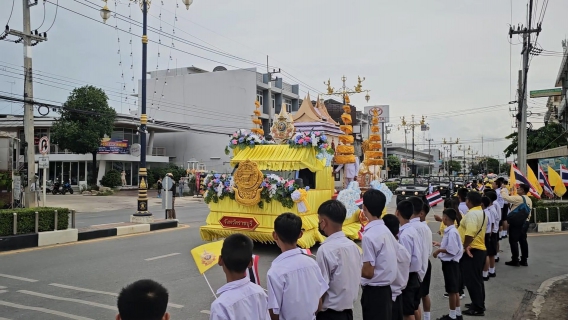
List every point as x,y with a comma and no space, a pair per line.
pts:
546,93
43,163
43,145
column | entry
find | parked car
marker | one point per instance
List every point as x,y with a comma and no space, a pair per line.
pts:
441,184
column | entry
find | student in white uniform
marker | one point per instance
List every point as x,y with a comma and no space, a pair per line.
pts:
410,239
379,260
294,281
497,209
418,221
239,299
462,194
403,261
494,249
488,209
450,253
340,262
143,299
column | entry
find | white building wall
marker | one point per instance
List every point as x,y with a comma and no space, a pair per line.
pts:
220,102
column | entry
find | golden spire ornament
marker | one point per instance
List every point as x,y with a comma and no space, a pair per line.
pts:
374,157
345,152
257,128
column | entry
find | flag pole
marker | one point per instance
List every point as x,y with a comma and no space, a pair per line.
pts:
212,291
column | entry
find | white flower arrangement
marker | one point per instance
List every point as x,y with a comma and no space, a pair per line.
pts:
377,185
348,197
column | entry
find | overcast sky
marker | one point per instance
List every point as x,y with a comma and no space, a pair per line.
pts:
432,58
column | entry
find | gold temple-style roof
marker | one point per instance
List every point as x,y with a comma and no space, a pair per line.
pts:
323,112
307,112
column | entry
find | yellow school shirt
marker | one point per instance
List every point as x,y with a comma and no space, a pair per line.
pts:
470,226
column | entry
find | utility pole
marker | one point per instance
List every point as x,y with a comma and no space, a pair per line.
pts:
451,144
522,100
271,105
430,154
464,151
412,124
29,40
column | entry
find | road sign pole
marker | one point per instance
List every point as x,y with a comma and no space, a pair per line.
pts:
44,185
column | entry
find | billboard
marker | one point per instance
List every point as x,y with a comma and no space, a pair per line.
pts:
383,111
113,146
554,163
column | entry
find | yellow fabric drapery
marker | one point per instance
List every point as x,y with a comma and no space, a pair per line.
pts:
324,180
280,158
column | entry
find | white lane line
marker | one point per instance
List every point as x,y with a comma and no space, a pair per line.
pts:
206,311
4,318
83,289
3,291
89,303
44,310
17,278
173,305
164,256
2,287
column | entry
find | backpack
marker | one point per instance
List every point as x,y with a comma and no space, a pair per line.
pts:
519,215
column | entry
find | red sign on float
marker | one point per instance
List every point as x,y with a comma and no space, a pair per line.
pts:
242,223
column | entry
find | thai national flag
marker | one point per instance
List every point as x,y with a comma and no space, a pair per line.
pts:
564,174
434,198
252,272
520,178
359,203
548,191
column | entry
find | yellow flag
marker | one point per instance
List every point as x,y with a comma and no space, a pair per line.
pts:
512,181
556,182
533,180
207,255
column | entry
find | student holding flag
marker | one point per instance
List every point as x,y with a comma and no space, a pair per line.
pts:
239,298
340,262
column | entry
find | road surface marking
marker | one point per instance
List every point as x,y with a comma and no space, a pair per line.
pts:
206,311
3,291
2,287
44,310
17,278
4,318
173,305
48,296
164,256
83,289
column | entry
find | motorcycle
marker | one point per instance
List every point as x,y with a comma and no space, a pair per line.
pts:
67,188
56,188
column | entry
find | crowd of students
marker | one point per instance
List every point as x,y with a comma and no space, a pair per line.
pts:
393,269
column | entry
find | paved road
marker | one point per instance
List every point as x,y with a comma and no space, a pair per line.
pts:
80,281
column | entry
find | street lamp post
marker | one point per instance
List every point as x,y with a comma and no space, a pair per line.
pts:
412,124
451,144
142,214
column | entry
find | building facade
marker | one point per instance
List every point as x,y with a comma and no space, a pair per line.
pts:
213,105
114,152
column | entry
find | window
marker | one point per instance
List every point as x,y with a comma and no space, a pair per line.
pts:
273,102
288,103
259,97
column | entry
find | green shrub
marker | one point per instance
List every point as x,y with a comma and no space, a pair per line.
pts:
553,211
111,179
26,220
391,185
160,172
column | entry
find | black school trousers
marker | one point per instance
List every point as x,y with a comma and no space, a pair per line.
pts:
335,315
472,275
376,303
518,237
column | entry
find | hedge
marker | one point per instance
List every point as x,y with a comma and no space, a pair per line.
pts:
391,185
552,213
26,220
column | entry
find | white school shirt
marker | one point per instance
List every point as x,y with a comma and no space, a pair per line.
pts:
295,285
351,169
240,300
409,238
452,243
497,212
403,261
379,249
426,235
500,200
490,219
463,208
340,262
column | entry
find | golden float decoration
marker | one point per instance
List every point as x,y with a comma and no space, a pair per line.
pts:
248,179
345,152
373,146
256,121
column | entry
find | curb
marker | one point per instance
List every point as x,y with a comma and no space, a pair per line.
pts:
31,240
541,293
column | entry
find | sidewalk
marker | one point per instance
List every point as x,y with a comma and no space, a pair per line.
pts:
122,200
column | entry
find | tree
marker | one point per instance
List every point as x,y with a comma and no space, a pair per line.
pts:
550,136
85,119
455,166
394,165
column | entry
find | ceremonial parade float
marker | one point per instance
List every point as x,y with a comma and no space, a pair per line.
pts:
292,172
